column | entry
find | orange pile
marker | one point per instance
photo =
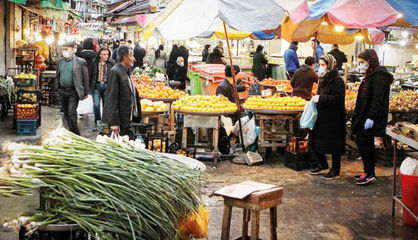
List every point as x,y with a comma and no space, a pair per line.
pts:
281,85
158,90
276,103
143,78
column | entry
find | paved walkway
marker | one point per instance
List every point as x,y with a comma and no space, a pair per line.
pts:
312,208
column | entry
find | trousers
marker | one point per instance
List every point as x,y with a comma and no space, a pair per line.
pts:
365,145
98,94
69,102
323,163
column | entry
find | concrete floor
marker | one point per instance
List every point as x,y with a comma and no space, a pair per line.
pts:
312,208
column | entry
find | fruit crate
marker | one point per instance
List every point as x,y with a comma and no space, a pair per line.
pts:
24,82
384,157
296,161
26,111
26,127
296,144
27,96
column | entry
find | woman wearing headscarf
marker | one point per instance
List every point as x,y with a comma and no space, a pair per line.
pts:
171,64
371,111
216,57
205,53
259,63
328,134
179,75
160,57
183,52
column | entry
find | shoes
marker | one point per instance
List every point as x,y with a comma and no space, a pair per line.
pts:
366,180
358,177
95,129
318,171
331,175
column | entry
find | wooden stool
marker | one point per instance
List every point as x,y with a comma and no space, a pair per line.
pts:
257,201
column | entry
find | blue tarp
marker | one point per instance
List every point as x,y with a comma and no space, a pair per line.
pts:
409,9
264,36
320,8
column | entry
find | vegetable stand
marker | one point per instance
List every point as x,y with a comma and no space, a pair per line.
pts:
411,143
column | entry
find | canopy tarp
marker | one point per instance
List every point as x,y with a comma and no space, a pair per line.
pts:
183,19
409,9
305,30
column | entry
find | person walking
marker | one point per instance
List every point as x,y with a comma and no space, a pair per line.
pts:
98,80
88,52
291,59
171,64
205,53
160,58
72,84
139,54
319,51
122,105
328,134
371,111
338,55
115,51
303,79
259,63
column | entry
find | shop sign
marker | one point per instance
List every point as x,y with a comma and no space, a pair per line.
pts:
135,28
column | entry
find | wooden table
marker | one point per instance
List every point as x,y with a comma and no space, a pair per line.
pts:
411,143
154,115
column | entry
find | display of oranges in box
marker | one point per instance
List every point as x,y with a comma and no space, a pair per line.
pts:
276,102
158,90
200,103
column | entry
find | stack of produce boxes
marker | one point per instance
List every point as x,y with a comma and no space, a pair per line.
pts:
27,107
297,153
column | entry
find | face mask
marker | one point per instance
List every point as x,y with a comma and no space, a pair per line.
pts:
74,50
66,54
322,71
181,64
363,67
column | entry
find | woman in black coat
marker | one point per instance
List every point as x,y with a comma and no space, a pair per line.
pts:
259,63
171,64
216,57
371,112
328,134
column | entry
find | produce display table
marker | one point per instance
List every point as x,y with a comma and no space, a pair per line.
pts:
411,143
211,120
273,135
157,115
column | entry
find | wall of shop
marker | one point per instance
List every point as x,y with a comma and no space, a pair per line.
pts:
394,54
2,37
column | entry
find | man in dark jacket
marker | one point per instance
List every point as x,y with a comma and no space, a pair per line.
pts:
88,52
371,111
303,79
225,88
291,59
319,51
98,79
259,63
122,104
72,84
139,54
338,55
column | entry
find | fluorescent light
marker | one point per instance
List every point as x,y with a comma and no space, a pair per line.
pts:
402,42
324,23
359,37
416,46
339,28
404,33
399,15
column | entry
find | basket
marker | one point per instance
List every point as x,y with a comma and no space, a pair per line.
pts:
26,112
27,96
26,127
24,82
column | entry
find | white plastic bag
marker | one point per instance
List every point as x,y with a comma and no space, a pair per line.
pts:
409,166
248,130
309,115
227,124
85,106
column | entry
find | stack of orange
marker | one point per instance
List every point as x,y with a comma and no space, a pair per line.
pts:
158,90
270,81
143,78
150,106
200,103
281,85
276,103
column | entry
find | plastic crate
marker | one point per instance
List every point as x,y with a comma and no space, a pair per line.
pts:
296,161
25,112
384,157
295,144
27,96
24,82
26,127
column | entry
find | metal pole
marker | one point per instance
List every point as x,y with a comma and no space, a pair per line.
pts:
235,88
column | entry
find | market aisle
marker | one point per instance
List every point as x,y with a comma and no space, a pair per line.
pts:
314,208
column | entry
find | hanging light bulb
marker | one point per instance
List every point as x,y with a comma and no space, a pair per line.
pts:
49,40
339,28
402,42
324,23
359,37
416,46
38,37
404,33
399,15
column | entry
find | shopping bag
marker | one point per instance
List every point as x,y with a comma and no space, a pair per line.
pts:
85,106
248,130
227,124
309,115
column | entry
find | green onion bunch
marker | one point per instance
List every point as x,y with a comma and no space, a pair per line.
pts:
112,188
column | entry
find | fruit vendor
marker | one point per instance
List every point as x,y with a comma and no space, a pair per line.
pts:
303,79
226,87
122,104
291,59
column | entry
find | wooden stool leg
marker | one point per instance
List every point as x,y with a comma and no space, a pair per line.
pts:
246,216
273,223
255,225
226,222
184,140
